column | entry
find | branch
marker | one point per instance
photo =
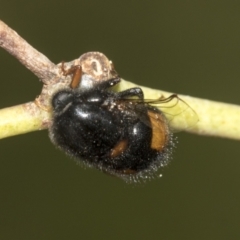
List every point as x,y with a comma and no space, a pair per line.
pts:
214,118
204,117
35,61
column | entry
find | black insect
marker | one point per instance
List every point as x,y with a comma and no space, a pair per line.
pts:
116,132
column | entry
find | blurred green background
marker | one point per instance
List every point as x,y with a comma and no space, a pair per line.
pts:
189,47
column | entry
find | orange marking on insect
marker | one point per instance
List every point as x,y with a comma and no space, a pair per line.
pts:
129,171
159,130
119,148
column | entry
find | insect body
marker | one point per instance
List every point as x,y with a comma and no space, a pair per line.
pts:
116,132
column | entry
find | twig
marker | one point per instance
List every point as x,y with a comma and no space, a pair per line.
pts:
213,118
35,61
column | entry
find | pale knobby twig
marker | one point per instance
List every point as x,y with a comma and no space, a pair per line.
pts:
202,116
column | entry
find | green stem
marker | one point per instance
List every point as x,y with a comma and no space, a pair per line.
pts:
199,116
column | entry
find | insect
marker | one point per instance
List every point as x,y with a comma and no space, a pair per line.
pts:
117,132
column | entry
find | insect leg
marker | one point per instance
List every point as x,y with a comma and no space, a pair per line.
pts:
131,92
76,72
109,83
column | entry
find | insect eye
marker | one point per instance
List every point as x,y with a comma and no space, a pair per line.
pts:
61,99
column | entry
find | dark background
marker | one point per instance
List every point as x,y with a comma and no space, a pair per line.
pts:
189,47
